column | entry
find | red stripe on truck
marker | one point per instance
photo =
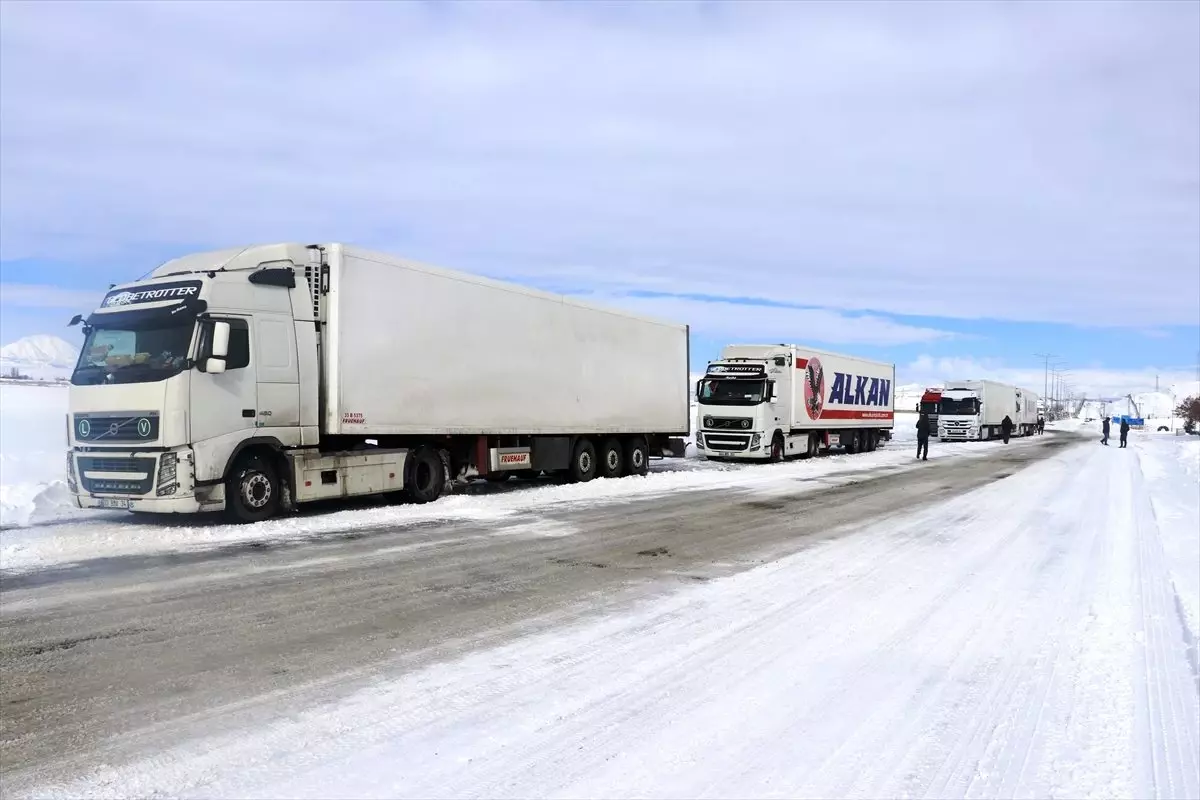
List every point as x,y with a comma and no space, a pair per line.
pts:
840,413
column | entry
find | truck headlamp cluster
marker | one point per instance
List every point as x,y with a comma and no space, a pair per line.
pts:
167,468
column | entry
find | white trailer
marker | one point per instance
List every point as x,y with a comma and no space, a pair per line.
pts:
255,379
974,410
770,402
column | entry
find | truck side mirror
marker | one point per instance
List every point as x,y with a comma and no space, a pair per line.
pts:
220,340
218,348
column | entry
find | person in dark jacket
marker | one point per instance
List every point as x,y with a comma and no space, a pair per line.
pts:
923,436
1006,426
1124,432
1041,425
1105,427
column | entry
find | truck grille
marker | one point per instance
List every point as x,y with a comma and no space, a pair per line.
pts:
726,423
99,475
726,442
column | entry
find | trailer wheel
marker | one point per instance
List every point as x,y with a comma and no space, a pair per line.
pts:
872,441
852,442
612,459
637,457
424,475
583,461
252,489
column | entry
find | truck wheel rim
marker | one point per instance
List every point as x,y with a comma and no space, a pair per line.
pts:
638,458
256,490
614,460
585,462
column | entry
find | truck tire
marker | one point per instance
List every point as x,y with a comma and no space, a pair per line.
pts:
776,448
852,442
583,461
612,459
637,457
872,441
252,489
424,475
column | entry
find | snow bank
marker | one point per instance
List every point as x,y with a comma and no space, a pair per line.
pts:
33,446
1171,469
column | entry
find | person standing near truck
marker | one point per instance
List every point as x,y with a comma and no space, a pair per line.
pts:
1104,426
923,436
1041,425
1124,432
1006,426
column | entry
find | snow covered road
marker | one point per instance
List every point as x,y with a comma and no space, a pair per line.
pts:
1000,626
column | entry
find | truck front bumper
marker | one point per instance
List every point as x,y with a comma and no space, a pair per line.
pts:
722,444
153,483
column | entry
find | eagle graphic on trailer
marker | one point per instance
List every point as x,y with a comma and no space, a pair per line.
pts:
770,402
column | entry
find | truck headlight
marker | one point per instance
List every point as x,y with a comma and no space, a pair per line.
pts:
167,469
755,441
71,482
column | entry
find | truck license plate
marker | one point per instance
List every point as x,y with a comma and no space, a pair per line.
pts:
112,502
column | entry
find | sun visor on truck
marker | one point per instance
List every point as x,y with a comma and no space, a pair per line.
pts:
153,306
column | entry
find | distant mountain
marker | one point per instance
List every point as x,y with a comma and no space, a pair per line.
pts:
39,357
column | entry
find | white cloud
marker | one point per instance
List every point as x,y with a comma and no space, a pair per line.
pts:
737,322
25,295
1095,383
933,159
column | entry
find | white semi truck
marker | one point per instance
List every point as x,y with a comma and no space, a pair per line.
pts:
975,410
255,379
769,402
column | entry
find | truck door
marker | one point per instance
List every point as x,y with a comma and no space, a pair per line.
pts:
278,377
223,406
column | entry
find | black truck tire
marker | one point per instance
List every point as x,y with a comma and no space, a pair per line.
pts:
252,489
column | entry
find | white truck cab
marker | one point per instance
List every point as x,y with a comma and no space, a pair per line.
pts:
185,369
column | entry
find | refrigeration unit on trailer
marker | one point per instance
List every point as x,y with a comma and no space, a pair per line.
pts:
975,410
775,401
254,379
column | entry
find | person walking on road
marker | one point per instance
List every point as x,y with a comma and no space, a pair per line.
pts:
1006,426
1105,427
1124,432
1041,425
923,436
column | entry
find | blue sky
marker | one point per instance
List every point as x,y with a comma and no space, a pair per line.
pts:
952,187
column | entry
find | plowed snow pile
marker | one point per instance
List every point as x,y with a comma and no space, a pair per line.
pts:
33,446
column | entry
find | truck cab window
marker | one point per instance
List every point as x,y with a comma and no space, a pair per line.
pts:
239,345
239,342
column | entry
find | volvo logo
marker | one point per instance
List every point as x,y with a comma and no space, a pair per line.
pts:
143,427
85,429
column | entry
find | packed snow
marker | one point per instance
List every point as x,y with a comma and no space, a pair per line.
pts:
1023,639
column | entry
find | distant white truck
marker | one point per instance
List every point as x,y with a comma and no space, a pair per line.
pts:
975,410
769,402
255,379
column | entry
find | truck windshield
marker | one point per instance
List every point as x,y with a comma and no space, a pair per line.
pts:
968,406
143,355
726,392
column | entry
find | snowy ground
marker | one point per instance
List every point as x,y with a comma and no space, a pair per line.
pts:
1024,638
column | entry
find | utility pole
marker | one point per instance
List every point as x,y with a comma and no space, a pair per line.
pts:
1046,381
